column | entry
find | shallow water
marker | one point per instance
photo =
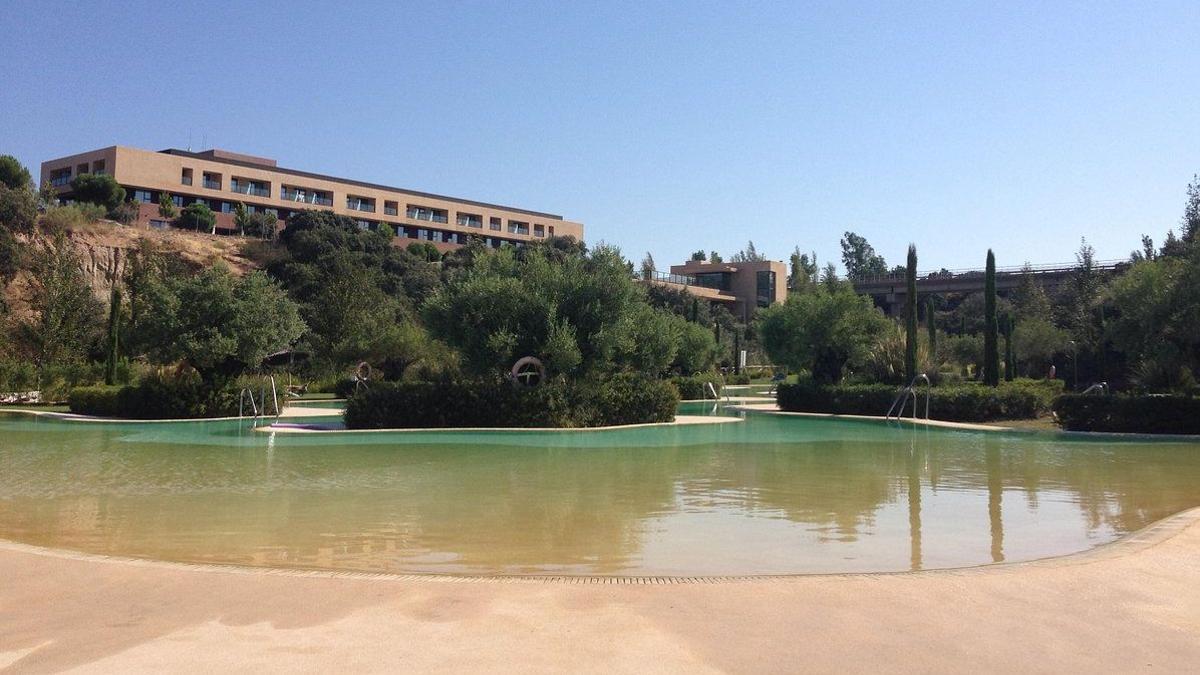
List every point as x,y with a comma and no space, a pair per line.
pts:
768,495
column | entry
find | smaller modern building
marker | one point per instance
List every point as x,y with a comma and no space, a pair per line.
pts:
742,286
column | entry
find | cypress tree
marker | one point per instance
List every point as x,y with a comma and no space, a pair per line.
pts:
1009,365
114,325
991,346
737,352
695,309
931,326
910,324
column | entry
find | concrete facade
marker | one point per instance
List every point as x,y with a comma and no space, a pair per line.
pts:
221,179
743,286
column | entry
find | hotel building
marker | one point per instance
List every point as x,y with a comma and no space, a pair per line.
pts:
743,287
221,179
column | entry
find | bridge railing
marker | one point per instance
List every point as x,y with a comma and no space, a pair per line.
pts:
1047,268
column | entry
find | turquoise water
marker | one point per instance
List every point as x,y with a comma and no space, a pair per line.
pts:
764,496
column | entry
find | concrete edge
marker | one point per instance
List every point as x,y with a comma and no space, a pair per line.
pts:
1148,537
680,421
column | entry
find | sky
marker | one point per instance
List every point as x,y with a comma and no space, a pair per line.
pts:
663,127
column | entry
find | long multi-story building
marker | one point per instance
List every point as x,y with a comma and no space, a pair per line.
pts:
221,179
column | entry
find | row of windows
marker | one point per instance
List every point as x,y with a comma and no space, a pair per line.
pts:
60,177
359,203
402,231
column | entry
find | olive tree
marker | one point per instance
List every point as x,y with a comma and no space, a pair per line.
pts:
822,331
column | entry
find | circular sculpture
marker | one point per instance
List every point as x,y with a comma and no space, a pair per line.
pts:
528,371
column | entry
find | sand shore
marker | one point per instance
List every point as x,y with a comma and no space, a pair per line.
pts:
1132,605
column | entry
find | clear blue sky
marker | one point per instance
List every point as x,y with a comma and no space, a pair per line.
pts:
663,127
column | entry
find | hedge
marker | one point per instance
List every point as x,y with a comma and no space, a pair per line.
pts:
156,398
959,403
695,387
619,399
1129,414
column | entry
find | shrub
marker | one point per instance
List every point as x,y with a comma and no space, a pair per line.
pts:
1129,414
739,379
630,398
72,216
101,401
621,399
694,388
963,403
176,397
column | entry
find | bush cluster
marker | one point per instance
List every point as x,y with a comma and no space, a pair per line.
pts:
960,403
619,399
694,388
1129,414
739,379
157,398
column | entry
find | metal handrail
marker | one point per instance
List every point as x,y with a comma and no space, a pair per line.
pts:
911,390
242,399
1101,387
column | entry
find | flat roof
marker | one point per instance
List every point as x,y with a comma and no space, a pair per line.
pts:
226,157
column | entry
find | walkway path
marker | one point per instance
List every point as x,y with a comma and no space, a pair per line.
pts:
1131,606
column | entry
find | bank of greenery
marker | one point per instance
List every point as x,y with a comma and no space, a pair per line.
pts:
625,398
1121,413
1019,399
153,397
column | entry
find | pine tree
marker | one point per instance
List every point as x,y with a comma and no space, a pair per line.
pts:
991,347
910,326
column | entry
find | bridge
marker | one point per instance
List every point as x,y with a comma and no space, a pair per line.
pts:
890,290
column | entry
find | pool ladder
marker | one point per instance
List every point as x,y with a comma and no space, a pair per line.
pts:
910,392
248,394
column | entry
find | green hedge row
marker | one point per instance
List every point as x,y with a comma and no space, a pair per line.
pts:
695,387
156,399
620,399
960,403
1129,414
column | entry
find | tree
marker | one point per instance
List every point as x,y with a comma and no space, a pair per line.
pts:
910,325
830,276
748,254
648,267
804,270
931,327
715,257
1029,301
822,332
699,256
261,224
1010,365
18,209
112,353
166,207
13,174
1036,340
219,324
1190,225
697,349
860,258
197,216
62,312
97,188
241,218
47,197
991,349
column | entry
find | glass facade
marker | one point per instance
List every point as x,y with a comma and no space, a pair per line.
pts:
765,288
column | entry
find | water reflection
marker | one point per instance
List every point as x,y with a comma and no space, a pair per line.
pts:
768,495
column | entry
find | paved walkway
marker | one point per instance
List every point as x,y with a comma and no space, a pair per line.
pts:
1130,606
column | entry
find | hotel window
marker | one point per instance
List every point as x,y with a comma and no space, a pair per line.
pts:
245,186
81,169
292,193
226,207
98,166
142,196
765,287
356,203
494,224
185,178
212,181
177,200
391,208
469,220
539,230
363,224
517,227
59,177
551,230
426,213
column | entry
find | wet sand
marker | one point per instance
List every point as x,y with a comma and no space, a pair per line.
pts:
1132,605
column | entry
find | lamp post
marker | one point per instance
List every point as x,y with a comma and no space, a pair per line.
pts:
1074,366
